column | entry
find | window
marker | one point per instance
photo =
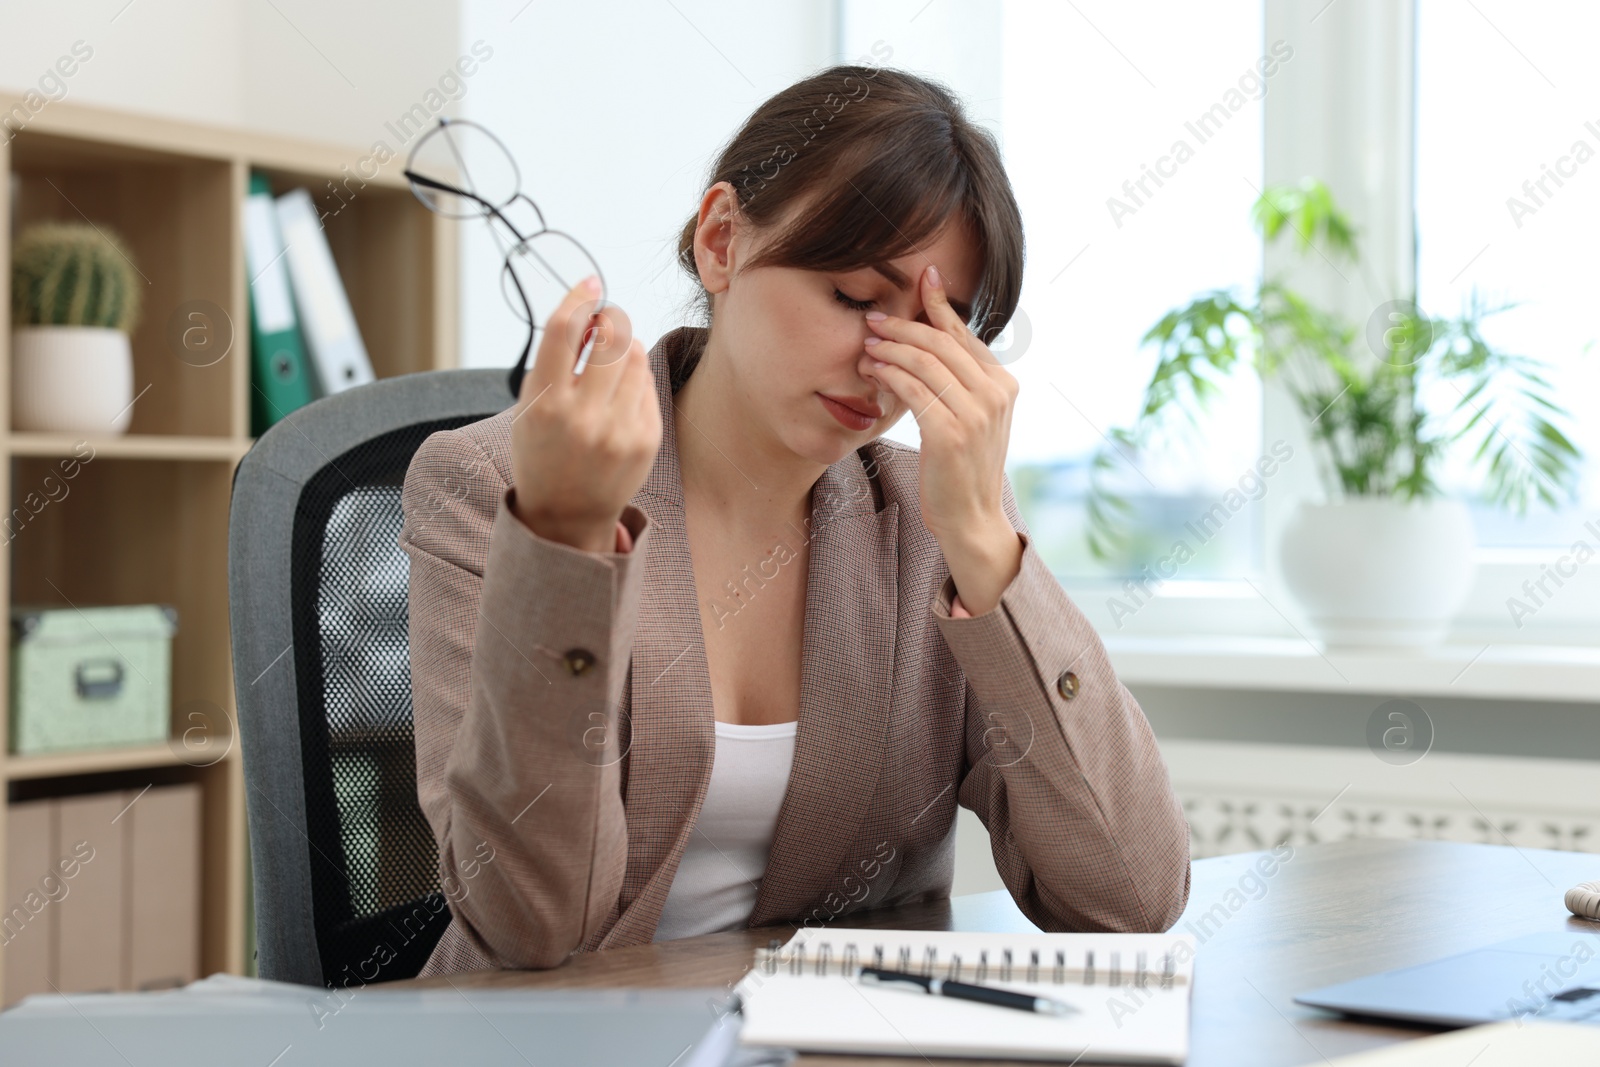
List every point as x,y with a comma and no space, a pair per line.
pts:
1508,203
1083,100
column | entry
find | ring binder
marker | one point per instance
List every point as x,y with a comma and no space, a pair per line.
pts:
823,958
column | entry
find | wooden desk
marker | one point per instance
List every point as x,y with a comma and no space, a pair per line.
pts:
1328,913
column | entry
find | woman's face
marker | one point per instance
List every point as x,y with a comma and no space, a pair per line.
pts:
792,337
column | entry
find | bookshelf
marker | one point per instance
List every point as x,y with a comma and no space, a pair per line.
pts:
146,518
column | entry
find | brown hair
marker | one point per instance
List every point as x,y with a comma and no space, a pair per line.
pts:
889,157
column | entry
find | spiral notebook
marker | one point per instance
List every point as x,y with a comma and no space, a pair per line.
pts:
1132,992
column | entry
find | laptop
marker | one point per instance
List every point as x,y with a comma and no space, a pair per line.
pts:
1546,975
250,1024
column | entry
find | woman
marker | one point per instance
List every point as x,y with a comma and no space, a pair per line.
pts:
687,647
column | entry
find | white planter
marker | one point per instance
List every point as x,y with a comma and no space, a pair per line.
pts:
71,379
1379,573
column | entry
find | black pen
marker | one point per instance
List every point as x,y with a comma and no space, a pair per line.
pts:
940,987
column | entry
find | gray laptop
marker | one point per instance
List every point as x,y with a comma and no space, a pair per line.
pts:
598,1028
1548,975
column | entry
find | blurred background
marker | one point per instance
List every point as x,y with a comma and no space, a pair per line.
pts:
1457,140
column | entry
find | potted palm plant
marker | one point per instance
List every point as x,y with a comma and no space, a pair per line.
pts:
74,301
1386,559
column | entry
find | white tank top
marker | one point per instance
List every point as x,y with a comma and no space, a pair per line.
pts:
723,864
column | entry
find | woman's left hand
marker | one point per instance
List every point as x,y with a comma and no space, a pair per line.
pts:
962,399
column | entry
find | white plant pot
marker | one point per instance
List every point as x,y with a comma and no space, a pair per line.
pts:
1379,573
71,379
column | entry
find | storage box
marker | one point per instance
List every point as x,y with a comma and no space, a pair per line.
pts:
90,677
102,892
32,883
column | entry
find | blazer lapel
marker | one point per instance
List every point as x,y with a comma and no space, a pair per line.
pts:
845,686
667,699
847,675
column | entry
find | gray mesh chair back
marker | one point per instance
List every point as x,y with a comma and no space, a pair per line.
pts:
344,864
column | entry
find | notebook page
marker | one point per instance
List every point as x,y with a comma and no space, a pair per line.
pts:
804,1000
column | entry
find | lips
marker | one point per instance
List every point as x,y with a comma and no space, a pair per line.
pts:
861,407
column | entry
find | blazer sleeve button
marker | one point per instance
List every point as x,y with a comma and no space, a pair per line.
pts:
577,660
1067,685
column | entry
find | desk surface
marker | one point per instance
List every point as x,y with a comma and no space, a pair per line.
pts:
1328,913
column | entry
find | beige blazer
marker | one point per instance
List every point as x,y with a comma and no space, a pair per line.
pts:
564,727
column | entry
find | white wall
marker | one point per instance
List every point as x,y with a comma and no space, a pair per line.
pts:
958,44
614,110
325,71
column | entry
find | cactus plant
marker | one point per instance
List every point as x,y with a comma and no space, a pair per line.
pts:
72,274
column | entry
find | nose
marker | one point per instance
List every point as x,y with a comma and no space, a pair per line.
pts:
886,397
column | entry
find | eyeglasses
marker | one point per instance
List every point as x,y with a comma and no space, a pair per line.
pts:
462,171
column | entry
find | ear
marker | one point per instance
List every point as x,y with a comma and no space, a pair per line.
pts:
713,236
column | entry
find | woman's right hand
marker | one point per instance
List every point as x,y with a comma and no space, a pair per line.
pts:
582,445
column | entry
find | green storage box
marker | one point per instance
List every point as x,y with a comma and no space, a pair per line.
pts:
90,677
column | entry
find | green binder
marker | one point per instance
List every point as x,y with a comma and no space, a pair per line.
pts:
280,379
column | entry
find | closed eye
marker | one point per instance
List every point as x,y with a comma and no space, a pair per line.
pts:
853,305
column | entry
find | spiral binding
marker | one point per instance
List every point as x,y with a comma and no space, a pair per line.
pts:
820,958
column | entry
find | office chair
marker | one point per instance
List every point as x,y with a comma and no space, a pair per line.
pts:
344,865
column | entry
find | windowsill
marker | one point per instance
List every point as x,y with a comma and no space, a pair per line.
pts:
1251,634
1522,671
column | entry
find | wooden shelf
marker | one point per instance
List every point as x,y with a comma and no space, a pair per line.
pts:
94,761
130,446
144,519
